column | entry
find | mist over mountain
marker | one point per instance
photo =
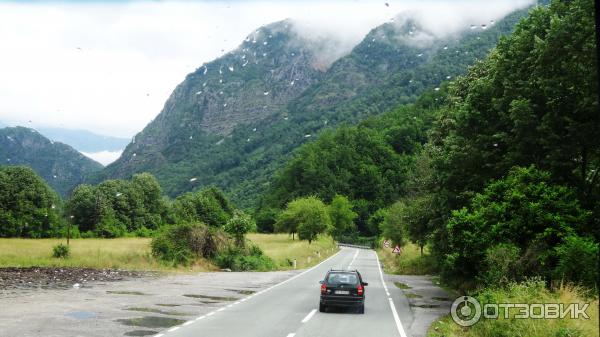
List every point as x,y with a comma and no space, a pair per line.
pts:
84,140
59,164
236,119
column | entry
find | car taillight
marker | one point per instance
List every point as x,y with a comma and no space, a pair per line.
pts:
323,288
360,289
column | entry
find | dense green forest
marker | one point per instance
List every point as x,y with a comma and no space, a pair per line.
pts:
497,171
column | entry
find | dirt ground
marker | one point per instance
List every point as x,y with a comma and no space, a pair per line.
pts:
66,302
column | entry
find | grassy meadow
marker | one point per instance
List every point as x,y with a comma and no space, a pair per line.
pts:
281,248
134,253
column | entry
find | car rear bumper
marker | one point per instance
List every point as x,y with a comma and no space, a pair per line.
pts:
342,301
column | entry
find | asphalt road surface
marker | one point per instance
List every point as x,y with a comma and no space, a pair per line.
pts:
290,308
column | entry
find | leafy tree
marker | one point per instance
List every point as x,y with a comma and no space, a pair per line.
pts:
28,206
208,206
419,225
266,219
342,216
524,209
240,224
116,207
307,216
529,103
394,225
577,260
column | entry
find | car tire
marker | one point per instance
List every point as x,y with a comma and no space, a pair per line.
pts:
361,309
322,308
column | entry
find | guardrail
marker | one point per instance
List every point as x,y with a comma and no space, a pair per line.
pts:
341,244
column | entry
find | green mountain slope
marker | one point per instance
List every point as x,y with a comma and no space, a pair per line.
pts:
392,65
59,164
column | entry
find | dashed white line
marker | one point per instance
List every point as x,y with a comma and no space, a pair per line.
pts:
392,306
187,323
309,316
173,329
291,335
199,318
210,313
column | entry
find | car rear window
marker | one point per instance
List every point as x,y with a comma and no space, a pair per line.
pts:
342,278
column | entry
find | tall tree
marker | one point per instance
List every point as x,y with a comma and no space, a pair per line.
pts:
342,216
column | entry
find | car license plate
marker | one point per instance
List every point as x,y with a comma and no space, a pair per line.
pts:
342,292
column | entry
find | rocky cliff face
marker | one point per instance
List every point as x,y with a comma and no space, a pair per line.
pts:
255,81
59,164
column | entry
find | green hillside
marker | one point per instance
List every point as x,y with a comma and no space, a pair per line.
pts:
60,165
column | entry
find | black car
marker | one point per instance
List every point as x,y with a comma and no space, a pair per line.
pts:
343,288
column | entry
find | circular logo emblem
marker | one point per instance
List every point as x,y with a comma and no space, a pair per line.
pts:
465,311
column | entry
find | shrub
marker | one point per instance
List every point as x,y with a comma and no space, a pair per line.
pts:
577,261
501,265
238,226
524,209
238,259
182,244
109,227
61,251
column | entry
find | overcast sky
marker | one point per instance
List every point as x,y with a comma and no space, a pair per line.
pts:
109,67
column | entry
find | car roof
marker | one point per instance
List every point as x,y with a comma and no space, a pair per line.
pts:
347,271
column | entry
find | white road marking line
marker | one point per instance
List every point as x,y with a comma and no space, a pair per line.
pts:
354,258
188,323
159,335
309,316
238,302
397,319
392,307
291,335
229,306
276,285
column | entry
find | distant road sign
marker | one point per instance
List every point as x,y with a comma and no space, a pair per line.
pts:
397,250
386,243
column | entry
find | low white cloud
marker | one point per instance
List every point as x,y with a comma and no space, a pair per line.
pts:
103,157
109,67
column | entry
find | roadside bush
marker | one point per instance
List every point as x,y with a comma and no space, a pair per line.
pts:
109,227
502,265
577,261
238,259
184,243
524,209
61,251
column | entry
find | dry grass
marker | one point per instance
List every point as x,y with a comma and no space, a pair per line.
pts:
134,253
122,253
282,249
